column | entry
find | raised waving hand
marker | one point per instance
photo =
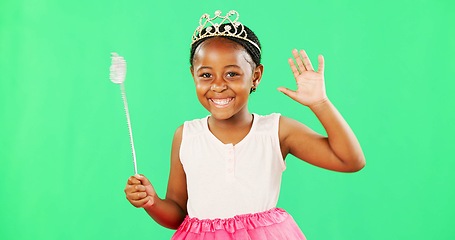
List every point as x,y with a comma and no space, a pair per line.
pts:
310,83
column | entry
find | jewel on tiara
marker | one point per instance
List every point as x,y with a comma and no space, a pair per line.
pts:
212,29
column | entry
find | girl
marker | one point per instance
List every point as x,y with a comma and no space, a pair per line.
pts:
226,168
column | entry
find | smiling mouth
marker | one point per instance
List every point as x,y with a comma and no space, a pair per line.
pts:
221,102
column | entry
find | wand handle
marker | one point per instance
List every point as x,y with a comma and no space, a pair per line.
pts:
128,121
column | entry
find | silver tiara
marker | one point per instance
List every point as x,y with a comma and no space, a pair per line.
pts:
212,29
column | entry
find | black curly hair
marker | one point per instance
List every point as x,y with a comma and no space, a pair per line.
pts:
252,50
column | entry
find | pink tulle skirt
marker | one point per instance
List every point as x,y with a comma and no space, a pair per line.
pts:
270,225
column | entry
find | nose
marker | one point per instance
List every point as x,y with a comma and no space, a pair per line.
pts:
218,88
218,85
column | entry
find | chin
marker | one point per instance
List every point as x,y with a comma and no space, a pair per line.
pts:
221,115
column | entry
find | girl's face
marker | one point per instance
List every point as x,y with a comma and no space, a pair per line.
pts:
223,74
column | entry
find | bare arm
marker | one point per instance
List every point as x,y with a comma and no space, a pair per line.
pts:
340,150
170,211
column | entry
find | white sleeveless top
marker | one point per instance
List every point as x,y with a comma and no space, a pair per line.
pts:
224,180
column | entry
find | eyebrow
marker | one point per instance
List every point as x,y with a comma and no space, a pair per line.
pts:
228,66
232,65
203,67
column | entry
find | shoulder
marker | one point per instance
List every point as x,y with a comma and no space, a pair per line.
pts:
178,132
196,120
194,126
266,123
289,128
272,118
287,123
178,136
268,116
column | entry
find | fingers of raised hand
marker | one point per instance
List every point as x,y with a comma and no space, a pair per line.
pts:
306,61
288,92
298,60
303,61
321,64
294,69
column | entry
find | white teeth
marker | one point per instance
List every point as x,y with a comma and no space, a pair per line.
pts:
222,102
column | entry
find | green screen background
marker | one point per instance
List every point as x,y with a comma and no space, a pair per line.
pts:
64,147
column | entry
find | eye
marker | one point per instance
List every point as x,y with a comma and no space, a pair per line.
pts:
205,75
232,74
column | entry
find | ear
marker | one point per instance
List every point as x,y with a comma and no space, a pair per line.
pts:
257,75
